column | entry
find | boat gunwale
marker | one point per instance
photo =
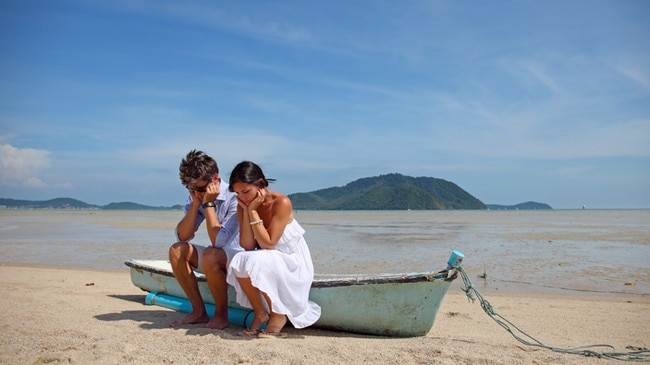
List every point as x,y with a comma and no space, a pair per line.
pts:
326,280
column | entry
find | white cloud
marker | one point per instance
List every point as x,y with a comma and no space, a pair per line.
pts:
34,182
22,166
218,15
637,75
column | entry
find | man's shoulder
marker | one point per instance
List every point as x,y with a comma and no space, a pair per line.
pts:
225,187
225,193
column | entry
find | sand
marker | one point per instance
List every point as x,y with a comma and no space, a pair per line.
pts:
54,315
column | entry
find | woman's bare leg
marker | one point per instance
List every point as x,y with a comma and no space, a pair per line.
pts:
276,320
259,311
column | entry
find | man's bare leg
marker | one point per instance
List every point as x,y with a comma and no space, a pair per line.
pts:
182,257
214,266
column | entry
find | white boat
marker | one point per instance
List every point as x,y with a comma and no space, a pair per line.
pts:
400,305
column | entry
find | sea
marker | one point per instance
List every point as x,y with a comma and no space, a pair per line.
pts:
599,252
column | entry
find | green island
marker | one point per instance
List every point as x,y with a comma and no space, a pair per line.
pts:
384,192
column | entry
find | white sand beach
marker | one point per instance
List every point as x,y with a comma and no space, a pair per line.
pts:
76,316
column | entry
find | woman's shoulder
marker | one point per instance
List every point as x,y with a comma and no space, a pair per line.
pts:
281,201
282,207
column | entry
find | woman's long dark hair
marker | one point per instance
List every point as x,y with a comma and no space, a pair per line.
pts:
250,173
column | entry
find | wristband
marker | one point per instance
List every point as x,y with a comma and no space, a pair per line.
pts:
208,204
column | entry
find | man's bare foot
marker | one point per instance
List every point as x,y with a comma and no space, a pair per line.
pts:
191,318
217,323
276,323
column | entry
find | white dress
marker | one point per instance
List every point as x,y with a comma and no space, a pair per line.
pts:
284,273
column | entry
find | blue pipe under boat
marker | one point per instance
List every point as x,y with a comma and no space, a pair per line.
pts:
239,316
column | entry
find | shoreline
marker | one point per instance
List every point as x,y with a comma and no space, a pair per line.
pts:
527,252
79,315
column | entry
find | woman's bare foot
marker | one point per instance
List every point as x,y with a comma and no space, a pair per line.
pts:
191,318
250,333
258,320
271,335
276,323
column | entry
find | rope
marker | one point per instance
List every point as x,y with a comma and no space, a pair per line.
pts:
640,355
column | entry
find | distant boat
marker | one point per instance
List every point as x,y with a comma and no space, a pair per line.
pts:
400,305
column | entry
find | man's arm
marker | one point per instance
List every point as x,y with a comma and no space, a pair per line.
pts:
186,228
229,223
212,223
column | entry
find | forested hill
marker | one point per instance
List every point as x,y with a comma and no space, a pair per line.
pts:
389,192
69,203
57,203
520,206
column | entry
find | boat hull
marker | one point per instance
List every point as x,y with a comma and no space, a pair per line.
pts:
389,309
402,305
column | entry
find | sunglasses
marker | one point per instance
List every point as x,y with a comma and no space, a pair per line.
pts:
199,189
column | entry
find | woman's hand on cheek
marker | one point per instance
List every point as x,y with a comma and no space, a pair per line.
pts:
261,194
242,204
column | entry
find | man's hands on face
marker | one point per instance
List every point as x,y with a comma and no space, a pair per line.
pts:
213,190
197,197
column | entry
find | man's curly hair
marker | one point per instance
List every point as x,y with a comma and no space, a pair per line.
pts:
197,166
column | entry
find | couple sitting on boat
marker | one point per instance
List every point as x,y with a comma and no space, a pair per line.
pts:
256,246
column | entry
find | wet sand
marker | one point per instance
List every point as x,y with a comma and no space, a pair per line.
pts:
547,252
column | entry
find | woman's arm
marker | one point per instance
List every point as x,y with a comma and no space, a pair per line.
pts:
246,237
268,234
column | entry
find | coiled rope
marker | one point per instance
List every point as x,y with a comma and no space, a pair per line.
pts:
639,355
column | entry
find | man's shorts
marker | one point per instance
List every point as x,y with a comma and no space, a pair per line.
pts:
230,252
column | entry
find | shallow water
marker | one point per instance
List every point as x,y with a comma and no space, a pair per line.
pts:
551,251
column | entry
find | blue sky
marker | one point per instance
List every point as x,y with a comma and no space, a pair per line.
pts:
512,100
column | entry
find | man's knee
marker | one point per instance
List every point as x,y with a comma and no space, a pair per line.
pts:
178,250
214,257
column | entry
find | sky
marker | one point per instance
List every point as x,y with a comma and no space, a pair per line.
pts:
513,101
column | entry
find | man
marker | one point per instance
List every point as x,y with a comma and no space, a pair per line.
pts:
209,200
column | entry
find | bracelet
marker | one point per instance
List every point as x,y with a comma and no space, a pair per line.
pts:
208,204
256,222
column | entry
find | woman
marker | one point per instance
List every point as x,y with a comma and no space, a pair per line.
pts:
273,276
